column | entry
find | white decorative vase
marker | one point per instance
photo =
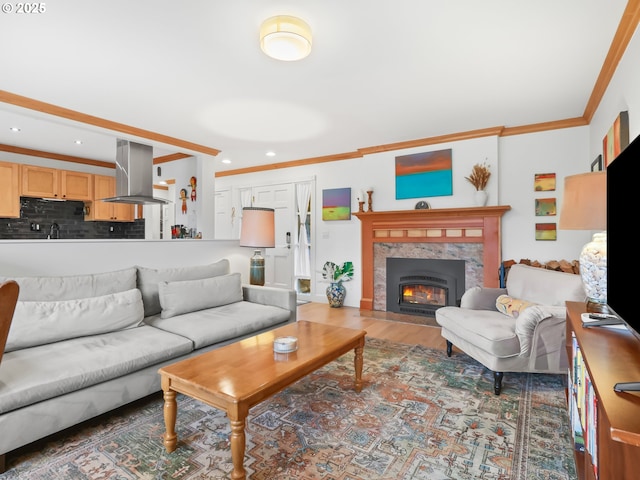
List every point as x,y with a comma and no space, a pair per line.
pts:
480,198
593,268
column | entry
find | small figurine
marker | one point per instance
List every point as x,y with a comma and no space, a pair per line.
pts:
183,197
193,188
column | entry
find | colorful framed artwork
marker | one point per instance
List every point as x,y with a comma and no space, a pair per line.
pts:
426,174
546,231
544,182
616,139
545,207
596,165
336,204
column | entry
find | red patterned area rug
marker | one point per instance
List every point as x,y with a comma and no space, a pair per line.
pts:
420,415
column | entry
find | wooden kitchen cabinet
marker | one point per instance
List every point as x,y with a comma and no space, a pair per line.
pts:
40,182
43,182
9,190
104,186
76,185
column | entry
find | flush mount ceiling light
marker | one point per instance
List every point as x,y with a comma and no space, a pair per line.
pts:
285,38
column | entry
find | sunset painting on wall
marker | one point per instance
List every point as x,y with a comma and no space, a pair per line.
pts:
424,175
336,204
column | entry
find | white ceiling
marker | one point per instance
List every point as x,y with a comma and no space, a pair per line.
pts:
380,72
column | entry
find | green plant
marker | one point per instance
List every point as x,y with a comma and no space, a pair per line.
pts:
337,273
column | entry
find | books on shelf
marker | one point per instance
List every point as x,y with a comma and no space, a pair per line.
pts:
583,409
576,426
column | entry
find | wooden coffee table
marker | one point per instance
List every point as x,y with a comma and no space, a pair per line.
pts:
238,376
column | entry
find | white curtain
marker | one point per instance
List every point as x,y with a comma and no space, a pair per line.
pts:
302,263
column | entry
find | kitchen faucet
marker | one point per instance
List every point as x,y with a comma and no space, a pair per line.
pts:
54,231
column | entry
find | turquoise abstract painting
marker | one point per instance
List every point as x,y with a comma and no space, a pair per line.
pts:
426,174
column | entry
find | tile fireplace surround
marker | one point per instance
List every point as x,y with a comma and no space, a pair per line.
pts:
472,234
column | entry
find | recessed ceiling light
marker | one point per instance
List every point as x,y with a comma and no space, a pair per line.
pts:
271,154
14,129
226,160
78,142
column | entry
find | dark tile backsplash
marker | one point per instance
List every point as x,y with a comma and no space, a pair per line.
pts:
69,217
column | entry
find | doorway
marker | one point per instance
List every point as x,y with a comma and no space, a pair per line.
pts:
278,261
282,263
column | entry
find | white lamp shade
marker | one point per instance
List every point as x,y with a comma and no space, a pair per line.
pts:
285,38
258,228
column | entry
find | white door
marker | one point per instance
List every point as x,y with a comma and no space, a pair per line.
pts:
278,261
224,215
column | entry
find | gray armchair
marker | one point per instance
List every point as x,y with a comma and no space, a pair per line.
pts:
525,332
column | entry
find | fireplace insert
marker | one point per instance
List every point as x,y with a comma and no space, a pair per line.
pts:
419,286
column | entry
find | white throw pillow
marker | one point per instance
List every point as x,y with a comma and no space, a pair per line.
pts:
38,323
149,278
188,296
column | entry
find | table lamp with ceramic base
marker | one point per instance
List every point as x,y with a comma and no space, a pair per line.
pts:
257,231
584,208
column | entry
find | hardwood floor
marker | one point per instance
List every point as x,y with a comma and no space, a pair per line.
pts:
353,317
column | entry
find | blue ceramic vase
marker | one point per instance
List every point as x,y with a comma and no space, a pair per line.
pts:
335,294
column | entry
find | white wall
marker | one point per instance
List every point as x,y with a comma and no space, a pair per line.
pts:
180,171
199,213
563,152
623,94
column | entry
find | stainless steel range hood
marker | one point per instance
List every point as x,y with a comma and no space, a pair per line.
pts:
134,174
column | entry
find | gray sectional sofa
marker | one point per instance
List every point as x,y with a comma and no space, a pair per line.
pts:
82,345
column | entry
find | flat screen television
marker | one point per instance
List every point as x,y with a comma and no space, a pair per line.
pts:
623,178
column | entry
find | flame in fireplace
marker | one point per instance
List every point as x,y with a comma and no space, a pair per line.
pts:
423,294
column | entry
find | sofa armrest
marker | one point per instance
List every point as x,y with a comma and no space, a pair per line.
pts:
481,298
277,297
534,318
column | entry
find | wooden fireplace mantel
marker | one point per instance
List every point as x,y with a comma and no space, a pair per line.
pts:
444,225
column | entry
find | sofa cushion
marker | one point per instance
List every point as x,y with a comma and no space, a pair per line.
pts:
512,306
34,374
70,287
37,323
544,287
213,325
493,332
149,278
187,296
